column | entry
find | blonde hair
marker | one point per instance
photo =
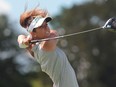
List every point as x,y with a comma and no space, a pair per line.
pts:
27,16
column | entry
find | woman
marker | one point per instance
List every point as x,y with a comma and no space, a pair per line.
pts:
53,60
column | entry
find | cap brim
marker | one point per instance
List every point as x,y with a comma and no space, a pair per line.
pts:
48,19
40,22
37,22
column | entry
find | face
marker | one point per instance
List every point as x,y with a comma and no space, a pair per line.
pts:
41,32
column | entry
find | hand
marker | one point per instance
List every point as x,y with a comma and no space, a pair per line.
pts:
24,41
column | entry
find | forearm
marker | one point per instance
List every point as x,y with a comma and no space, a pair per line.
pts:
51,44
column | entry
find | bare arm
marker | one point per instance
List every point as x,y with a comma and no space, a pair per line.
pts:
46,45
51,44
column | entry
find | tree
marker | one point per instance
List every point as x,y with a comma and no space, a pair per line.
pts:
92,55
16,68
9,75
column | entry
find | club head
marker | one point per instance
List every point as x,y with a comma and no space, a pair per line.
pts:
110,24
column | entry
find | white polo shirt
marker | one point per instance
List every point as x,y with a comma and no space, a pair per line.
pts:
57,66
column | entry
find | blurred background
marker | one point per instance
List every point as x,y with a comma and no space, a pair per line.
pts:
92,55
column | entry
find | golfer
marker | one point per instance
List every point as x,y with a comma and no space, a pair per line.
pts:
52,59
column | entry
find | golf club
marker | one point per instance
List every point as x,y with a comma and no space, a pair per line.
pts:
109,25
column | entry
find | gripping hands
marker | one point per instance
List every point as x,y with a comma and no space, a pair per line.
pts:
24,41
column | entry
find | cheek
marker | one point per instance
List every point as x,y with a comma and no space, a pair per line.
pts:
40,33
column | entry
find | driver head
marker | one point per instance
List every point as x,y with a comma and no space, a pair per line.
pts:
110,24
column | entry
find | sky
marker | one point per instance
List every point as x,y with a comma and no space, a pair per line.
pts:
13,8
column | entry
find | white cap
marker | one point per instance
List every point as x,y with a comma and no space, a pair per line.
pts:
37,22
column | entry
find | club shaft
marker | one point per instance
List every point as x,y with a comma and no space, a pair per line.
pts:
68,35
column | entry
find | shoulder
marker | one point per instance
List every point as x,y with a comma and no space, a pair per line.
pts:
51,44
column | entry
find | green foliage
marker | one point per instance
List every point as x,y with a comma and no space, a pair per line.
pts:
95,58
11,64
10,77
9,74
92,55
